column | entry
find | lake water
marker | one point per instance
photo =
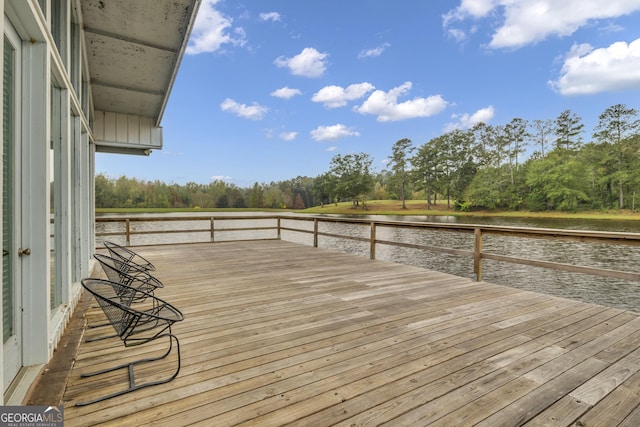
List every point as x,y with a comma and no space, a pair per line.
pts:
605,291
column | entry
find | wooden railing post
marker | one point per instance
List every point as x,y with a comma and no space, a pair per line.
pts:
372,243
127,232
315,232
477,254
212,231
279,230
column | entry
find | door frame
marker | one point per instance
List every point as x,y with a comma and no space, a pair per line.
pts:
34,125
12,348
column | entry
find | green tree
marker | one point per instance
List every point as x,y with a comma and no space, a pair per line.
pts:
516,135
484,137
616,124
323,188
273,196
600,166
634,178
542,133
353,177
568,130
462,152
400,164
256,196
558,180
104,197
485,191
427,169
222,202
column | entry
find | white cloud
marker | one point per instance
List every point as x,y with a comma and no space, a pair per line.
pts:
212,30
457,34
386,106
337,96
308,63
467,121
332,148
225,178
332,133
253,112
373,52
285,92
270,16
523,22
587,70
288,136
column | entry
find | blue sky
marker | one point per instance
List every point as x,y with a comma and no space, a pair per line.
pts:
272,90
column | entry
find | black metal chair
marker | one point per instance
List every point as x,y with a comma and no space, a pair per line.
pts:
117,270
129,256
120,272
134,327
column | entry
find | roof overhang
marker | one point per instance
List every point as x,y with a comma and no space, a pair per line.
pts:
134,50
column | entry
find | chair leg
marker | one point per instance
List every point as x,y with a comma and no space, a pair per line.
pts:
131,368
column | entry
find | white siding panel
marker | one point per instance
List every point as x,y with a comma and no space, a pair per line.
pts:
122,125
127,131
109,126
133,130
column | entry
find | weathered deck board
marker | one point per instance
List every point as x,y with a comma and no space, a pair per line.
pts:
277,333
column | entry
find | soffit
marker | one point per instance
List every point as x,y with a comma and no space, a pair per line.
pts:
134,50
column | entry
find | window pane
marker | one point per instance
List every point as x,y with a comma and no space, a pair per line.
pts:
7,193
54,182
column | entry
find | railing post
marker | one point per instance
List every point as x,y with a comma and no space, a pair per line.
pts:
477,254
372,242
212,231
315,232
127,232
279,230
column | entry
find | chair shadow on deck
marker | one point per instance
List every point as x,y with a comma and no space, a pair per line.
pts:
134,327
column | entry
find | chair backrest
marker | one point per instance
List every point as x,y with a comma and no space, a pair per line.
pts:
123,273
109,296
129,256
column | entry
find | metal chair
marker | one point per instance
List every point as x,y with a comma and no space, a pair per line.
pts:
129,256
117,270
134,327
126,274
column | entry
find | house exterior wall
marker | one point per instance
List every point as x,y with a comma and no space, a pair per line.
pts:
54,171
55,71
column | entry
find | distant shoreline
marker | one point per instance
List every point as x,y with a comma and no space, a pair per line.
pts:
394,207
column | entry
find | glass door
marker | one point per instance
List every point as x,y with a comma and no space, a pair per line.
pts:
11,212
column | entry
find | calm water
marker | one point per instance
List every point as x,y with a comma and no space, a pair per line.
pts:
610,292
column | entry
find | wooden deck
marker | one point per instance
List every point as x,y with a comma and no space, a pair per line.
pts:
277,333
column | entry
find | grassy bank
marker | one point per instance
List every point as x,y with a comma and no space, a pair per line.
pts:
394,207
192,210
419,208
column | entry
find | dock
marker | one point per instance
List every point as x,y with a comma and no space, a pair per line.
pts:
277,333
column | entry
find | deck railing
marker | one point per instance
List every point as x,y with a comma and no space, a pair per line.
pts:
279,223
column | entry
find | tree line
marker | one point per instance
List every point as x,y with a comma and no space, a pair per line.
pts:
484,167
